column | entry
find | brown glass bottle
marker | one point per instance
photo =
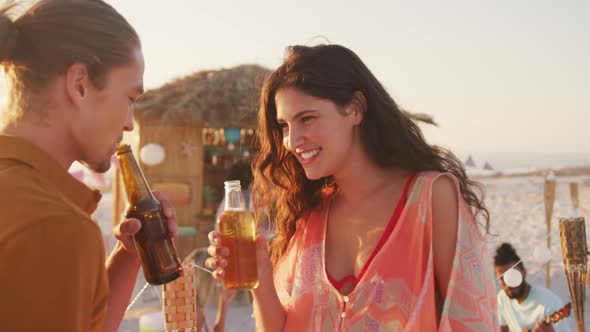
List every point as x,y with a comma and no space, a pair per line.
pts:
154,244
237,231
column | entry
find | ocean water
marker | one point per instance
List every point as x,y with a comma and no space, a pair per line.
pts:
510,160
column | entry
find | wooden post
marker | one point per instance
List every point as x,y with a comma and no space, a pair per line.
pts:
574,249
574,194
549,201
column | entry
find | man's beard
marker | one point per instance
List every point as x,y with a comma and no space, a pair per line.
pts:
516,293
102,167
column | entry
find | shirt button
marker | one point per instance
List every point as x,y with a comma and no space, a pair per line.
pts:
345,299
343,315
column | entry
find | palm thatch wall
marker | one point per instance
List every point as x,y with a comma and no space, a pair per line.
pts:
174,116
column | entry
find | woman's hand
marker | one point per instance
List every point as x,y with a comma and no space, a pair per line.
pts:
218,253
217,262
268,311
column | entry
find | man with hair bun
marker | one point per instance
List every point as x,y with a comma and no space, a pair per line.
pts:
525,306
74,69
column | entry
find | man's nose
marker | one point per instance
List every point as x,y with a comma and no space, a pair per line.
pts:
129,122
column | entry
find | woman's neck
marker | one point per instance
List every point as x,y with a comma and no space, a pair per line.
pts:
361,177
362,182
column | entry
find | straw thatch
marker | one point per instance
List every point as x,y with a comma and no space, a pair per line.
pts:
214,98
210,98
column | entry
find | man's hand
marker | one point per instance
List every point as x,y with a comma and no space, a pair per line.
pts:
542,327
125,230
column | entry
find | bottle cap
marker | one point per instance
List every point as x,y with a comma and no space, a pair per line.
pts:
233,184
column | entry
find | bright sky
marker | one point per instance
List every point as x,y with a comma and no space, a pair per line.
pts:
498,76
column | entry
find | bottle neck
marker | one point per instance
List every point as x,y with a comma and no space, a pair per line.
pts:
234,199
136,186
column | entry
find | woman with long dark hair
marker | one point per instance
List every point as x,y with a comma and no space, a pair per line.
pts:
375,228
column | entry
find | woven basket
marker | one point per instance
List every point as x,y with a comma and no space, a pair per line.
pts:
180,303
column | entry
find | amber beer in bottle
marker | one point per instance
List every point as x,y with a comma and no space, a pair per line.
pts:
153,241
237,231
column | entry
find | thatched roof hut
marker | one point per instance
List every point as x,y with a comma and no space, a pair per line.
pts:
211,98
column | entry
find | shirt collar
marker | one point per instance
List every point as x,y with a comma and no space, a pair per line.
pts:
26,152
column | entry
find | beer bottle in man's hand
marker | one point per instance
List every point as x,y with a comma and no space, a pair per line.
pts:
153,241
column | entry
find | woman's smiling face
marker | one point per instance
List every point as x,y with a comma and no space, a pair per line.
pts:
317,131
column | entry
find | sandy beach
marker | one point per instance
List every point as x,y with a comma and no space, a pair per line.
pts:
517,212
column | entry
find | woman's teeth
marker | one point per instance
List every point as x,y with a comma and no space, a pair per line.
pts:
309,154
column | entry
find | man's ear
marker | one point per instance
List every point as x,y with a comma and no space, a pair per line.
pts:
77,83
358,106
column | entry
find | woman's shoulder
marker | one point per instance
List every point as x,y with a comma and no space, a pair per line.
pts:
434,181
434,175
